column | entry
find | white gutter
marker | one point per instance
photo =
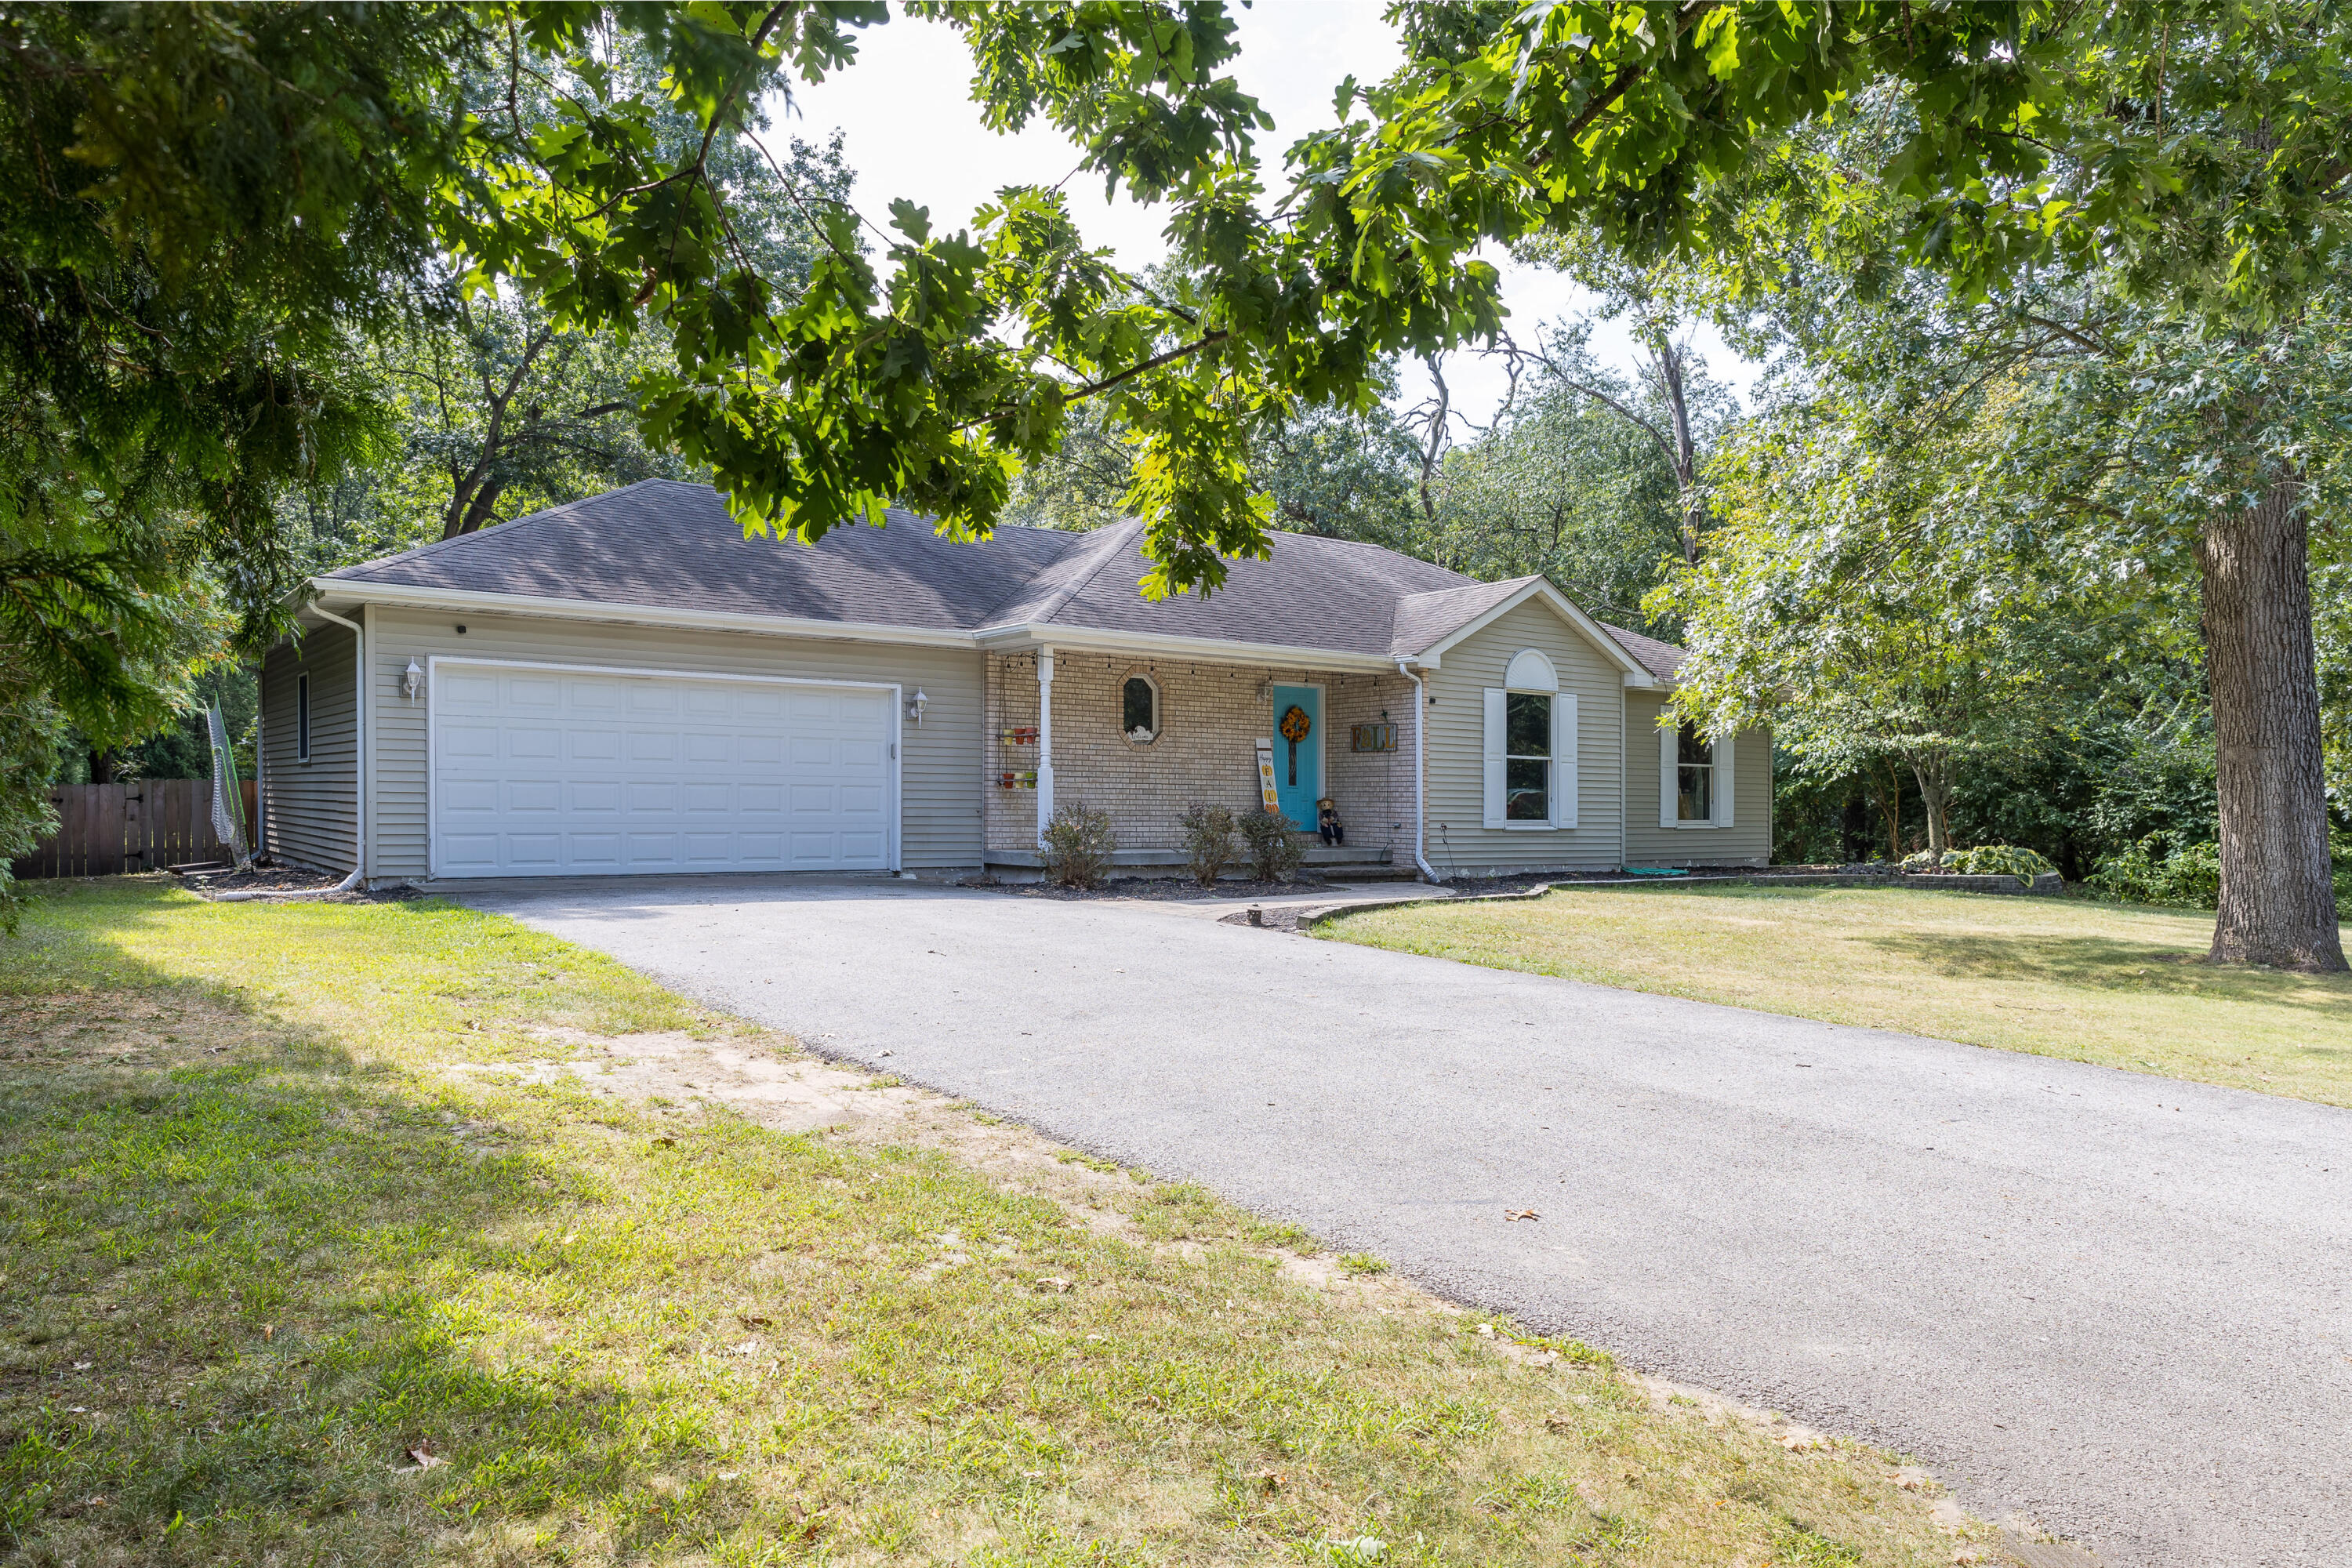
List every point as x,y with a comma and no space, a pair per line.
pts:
421,598
1420,780
358,749
1206,651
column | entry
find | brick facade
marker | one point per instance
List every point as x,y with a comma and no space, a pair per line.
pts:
1210,718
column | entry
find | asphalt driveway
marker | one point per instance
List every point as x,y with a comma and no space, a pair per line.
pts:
2114,1302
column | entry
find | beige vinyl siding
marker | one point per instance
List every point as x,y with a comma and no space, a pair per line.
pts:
939,801
308,809
1457,838
1748,839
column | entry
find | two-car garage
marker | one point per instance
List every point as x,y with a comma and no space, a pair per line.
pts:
551,770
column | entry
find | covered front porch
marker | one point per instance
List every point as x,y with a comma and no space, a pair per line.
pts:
1145,737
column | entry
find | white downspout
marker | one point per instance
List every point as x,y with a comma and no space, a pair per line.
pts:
1420,781
1044,741
358,748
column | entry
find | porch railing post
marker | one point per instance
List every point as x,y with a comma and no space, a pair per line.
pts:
1044,741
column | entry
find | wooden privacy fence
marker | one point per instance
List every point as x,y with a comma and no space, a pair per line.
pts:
144,825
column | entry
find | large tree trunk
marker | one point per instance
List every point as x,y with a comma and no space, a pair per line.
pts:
2278,901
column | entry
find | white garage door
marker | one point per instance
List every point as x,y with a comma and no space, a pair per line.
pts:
553,772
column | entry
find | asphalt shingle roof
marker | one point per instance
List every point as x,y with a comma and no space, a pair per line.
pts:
1660,659
665,544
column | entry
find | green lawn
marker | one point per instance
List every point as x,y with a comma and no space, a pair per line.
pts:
273,1223
2063,977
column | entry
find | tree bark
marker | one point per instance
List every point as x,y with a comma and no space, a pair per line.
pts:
1934,773
1684,456
2278,899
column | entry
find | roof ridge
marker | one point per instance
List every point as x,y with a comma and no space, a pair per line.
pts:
1115,539
1075,540
543,515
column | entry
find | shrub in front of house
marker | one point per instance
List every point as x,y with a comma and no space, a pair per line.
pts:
1273,846
1208,841
1077,845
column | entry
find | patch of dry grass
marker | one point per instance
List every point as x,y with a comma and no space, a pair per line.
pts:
291,1196
2095,982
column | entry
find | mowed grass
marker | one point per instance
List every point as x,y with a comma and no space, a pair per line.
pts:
260,1249
2121,986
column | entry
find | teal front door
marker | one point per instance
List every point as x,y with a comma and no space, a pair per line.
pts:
1299,753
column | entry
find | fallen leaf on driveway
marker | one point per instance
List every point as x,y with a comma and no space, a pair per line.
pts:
1521,1214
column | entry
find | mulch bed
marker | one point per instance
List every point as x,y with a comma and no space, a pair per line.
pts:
282,880
1166,887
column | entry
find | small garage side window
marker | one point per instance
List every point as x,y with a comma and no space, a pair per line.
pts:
302,718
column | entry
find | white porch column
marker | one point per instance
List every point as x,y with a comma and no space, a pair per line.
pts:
1045,740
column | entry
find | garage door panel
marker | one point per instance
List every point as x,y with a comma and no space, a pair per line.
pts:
592,851
540,772
468,738
534,850
593,696
534,796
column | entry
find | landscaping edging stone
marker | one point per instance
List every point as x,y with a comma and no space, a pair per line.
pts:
1307,916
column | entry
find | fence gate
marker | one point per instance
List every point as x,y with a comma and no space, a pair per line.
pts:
146,825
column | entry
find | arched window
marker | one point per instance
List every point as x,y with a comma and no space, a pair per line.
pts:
1138,710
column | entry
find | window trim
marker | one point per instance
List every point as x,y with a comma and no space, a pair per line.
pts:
303,716
1721,782
1550,759
1159,708
1530,672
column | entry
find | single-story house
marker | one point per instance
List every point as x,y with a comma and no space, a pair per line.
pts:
626,684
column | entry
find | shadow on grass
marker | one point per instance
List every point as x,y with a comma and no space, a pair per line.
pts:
227,1254
2111,964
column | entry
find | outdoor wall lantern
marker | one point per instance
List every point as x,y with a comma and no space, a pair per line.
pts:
915,705
412,680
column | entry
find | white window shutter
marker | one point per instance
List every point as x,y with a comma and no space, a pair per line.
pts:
1563,760
1496,724
1666,776
1723,790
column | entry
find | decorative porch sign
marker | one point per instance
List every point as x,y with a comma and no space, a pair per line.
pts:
1266,776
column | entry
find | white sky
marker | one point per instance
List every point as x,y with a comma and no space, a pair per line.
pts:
912,130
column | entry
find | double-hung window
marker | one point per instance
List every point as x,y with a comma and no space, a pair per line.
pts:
1694,776
1526,756
1695,786
302,718
1530,746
